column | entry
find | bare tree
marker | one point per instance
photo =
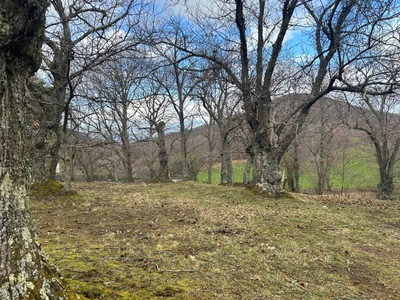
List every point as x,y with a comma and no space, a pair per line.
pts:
377,117
222,102
209,131
80,35
24,271
113,90
320,140
345,160
155,111
177,83
247,40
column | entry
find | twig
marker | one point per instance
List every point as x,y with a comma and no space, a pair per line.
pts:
348,265
177,271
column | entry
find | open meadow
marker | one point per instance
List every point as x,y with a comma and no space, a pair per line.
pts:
190,240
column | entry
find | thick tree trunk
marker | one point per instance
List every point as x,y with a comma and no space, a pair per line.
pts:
48,137
289,168
266,174
128,166
386,186
46,154
24,271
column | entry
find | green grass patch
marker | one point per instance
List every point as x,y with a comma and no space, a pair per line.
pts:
361,173
238,170
190,240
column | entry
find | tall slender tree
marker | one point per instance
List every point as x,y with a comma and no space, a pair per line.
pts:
222,102
177,83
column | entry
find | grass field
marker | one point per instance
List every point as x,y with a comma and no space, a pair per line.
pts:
195,241
361,173
238,171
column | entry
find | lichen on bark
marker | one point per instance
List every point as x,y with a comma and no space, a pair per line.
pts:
24,271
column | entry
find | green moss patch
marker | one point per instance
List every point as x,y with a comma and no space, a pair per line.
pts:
50,188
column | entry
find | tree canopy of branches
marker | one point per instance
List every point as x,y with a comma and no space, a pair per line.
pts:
80,35
248,40
376,116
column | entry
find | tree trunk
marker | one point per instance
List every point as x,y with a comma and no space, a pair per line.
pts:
24,271
184,161
266,174
68,164
226,163
48,137
385,187
296,166
163,173
229,165
128,165
289,163
47,145
246,173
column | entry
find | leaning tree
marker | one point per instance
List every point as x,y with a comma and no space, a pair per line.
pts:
24,271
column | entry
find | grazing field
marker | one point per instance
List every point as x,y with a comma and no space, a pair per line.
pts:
360,172
194,241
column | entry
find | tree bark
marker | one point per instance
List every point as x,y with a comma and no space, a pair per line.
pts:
163,173
296,166
385,187
24,271
266,173
48,140
246,173
226,162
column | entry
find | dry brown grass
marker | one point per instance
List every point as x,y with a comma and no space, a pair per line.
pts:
193,241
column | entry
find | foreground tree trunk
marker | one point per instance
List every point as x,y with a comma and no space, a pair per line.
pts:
24,271
386,157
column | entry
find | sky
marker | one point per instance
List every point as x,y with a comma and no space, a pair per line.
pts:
294,37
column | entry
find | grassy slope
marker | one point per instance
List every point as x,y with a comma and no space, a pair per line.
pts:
237,173
194,241
361,173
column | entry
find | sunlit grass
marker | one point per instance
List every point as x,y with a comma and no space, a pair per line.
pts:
361,173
